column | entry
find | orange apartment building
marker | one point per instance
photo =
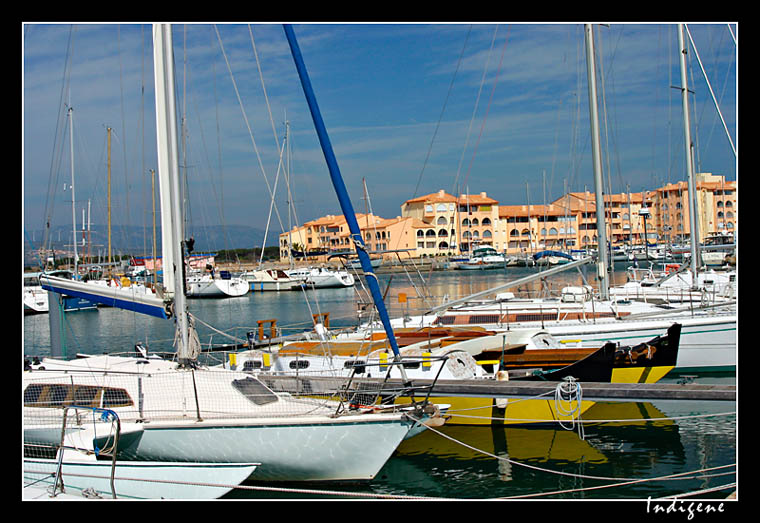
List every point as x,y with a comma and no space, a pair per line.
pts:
443,224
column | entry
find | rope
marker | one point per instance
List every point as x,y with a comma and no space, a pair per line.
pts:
566,393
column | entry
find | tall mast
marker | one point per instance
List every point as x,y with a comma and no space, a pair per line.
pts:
682,51
109,201
153,200
601,229
73,191
168,173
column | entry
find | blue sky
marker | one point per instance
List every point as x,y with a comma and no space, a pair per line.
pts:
410,108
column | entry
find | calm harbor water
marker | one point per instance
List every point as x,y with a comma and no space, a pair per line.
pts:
697,441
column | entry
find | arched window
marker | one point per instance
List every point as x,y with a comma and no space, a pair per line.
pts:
525,232
443,245
486,221
442,233
420,233
430,233
487,234
441,207
475,221
552,231
442,220
466,222
466,235
514,232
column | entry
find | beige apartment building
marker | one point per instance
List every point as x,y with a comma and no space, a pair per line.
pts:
330,234
443,224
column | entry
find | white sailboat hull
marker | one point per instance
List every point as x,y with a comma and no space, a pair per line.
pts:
344,450
320,278
216,288
271,280
139,480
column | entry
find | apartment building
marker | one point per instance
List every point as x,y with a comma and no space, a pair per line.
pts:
330,234
443,224
458,222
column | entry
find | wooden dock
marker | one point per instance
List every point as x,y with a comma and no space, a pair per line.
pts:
627,392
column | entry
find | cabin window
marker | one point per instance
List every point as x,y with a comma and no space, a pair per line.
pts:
59,395
299,364
254,391
115,398
357,365
250,365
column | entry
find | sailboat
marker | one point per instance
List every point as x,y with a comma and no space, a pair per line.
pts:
195,413
322,277
708,337
212,285
482,258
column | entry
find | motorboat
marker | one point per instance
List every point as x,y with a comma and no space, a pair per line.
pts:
322,277
271,280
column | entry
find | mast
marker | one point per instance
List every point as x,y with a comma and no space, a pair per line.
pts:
73,192
340,189
109,201
601,228
153,200
682,51
168,174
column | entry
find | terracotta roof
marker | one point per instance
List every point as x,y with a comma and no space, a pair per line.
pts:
505,211
440,196
476,199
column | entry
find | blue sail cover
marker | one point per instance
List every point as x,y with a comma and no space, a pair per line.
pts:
119,297
558,254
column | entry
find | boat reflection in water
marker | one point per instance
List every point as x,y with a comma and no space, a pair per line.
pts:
533,459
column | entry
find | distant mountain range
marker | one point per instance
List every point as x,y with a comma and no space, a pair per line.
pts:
138,240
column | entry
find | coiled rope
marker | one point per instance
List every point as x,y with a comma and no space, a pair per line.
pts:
569,393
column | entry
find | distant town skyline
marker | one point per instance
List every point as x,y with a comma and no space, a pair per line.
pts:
410,108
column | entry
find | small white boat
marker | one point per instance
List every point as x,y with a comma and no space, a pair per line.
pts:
271,280
136,479
322,277
85,463
484,258
209,285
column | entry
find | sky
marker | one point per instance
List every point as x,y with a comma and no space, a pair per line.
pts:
410,109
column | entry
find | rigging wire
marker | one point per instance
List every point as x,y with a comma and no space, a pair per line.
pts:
247,123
